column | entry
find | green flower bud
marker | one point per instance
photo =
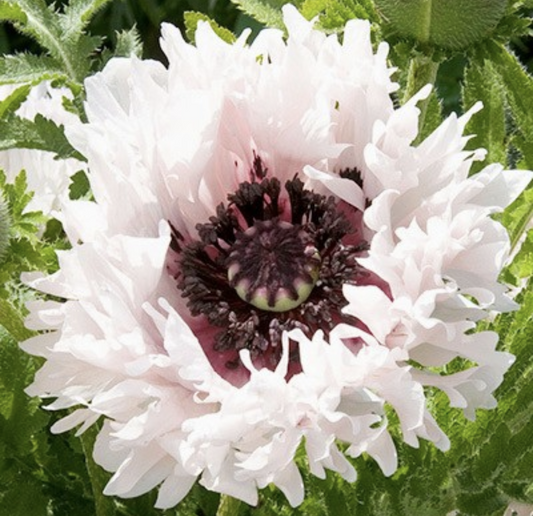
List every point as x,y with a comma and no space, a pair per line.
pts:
450,24
4,226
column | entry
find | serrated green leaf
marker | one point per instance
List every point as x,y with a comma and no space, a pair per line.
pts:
27,249
23,417
42,134
481,83
192,18
77,15
99,478
13,322
517,216
79,186
433,116
60,34
495,452
128,43
482,502
522,265
15,194
267,12
492,455
23,496
518,86
11,103
454,24
333,14
40,23
11,12
27,68
60,463
20,420
423,70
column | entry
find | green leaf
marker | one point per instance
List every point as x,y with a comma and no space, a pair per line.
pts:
481,502
128,44
191,19
27,68
78,14
13,322
40,23
10,104
522,265
28,250
333,14
42,134
11,12
229,506
22,496
516,218
20,416
518,86
453,24
482,83
104,506
79,186
15,193
60,34
432,116
20,420
492,456
267,12
423,70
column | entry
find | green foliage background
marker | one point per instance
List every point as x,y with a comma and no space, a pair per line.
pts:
491,460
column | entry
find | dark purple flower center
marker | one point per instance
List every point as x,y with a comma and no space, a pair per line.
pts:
270,261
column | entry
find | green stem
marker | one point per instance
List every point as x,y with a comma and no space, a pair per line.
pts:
424,22
517,232
104,505
422,70
5,225
228,506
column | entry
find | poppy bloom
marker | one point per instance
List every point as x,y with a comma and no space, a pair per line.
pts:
268,262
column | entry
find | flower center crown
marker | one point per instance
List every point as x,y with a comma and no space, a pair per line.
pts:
273,265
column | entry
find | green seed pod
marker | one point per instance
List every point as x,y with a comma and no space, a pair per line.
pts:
449,24
4,226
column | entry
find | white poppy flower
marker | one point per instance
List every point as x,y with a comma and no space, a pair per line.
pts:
267,258
47,177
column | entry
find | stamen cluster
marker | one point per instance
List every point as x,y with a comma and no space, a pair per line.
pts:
267,262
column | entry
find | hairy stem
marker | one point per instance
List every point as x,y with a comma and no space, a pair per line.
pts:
422,71
228,506
518,232
103,505
425,21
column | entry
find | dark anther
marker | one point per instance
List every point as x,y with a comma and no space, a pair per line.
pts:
176,239
258,171
353,174
270,261
222,227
